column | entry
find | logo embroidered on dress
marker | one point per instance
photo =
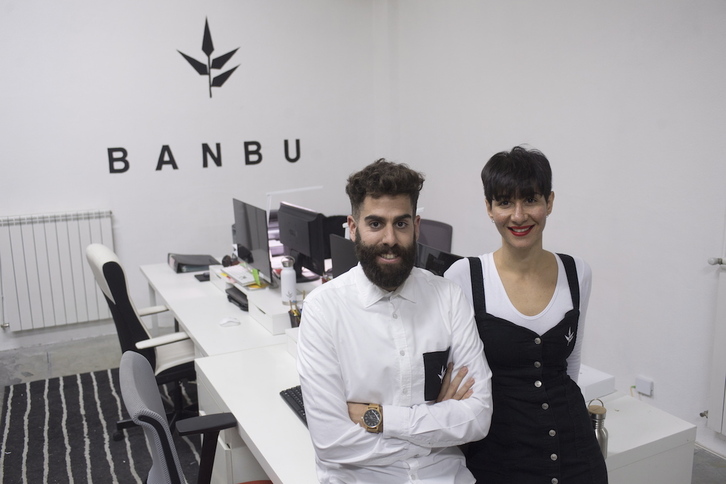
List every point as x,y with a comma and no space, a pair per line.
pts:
569,337
442,373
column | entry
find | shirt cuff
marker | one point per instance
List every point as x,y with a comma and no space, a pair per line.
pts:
395,421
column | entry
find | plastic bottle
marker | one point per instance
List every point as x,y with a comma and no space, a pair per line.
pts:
288,280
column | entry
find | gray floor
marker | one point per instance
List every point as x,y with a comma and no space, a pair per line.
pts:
60,359
100,353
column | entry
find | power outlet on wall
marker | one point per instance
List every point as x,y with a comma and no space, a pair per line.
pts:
644,386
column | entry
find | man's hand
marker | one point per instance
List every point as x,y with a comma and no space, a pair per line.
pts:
450,389
356,411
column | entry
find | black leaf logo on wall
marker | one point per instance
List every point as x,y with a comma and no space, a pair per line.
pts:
216,63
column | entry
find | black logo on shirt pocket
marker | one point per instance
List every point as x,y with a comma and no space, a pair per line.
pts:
434,371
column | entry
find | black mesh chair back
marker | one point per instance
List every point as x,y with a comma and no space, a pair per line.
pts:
436,234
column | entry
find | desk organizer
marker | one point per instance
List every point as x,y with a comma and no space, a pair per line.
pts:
219,278
267,308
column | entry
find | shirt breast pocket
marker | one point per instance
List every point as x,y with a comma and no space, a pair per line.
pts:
434,371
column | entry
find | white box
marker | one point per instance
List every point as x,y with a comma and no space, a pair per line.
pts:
274,322
595,383
268,309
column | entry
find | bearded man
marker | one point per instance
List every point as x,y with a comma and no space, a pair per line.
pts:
376,351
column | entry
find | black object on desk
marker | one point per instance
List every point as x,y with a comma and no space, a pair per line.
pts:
293,397
190,262
203,277
238,298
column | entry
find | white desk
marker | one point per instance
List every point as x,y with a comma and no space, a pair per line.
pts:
248,383
254,379
199,307
645,445
249,366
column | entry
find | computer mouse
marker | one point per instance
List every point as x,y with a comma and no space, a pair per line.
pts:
229,322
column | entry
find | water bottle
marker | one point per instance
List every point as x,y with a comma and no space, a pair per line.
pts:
597,417
288,290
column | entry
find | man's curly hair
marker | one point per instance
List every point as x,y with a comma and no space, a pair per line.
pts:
382,178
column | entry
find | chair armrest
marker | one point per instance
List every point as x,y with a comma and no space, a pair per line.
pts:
209,426
206,423
151,310
162,340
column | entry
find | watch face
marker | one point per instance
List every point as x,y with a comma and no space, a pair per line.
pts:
371,418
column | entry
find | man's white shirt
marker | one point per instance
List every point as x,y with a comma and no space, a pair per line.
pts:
360,343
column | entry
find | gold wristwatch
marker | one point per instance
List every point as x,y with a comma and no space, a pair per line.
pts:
373,418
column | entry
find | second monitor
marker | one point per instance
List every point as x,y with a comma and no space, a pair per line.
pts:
434,260
251,237
305,234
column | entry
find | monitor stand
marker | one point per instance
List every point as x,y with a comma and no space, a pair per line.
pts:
300,275
304,278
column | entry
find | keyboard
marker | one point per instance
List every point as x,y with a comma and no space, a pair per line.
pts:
293,397
240,274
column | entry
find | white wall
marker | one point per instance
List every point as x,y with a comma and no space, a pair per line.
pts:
626,100
81,77
623,97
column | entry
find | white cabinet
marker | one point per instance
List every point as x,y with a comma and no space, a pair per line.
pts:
646,445
233,462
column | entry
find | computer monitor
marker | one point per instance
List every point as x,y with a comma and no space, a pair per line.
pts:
251,237
305,234
342,254
434,260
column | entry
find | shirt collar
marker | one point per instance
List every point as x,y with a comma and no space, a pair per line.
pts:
370,294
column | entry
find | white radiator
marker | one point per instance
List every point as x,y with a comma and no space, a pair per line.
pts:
45,280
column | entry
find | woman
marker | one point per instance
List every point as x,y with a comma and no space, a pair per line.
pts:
530,309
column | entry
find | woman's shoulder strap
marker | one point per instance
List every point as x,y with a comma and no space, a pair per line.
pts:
477,285
571,270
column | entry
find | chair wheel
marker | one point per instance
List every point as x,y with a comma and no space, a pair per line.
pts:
118,435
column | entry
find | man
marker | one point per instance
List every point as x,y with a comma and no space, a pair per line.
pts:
375,344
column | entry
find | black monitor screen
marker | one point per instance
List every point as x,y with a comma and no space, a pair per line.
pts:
434,260
305,234
250,235
302,233
342,254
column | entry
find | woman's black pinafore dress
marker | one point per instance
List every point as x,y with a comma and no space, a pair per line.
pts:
541,431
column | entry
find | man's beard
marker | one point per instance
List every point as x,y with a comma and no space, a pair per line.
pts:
385,276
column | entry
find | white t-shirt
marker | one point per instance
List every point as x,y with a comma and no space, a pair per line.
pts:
499,305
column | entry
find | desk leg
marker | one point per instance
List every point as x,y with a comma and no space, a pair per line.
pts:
154,317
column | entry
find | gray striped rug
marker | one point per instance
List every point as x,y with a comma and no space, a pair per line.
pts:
60,431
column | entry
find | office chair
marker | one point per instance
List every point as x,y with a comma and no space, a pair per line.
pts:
436,234
141,397
171,356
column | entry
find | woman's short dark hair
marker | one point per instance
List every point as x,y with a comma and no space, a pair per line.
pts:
519,173
382,178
